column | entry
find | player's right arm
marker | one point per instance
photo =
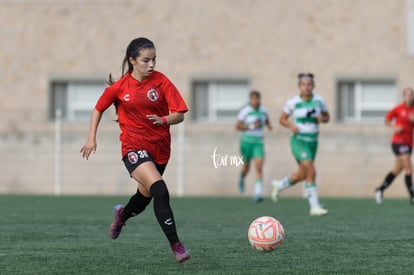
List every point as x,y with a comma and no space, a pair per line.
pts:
107,98
243,127
285,122
90,145
389,121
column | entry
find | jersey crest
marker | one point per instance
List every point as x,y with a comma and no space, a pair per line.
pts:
152,95
132,157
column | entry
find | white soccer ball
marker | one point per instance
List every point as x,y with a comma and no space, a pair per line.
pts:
266,234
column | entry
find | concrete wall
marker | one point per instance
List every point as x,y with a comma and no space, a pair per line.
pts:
269,41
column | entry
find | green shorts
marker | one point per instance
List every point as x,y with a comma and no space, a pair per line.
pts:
251,149
302,149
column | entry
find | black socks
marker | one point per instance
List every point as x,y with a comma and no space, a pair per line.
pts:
136,205
387,182
389,179
163,210
138,202
409,184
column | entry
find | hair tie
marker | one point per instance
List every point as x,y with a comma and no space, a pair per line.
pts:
146,45
305,75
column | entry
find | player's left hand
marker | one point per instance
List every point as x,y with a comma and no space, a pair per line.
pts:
155,119
411,117
322,118
257,124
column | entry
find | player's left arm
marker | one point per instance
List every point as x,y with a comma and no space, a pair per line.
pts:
171,119
174,118
324,117
268,124
176,106
411,117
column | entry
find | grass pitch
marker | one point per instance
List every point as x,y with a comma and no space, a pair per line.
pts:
69,235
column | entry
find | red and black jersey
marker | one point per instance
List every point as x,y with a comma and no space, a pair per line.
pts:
155,95
401,116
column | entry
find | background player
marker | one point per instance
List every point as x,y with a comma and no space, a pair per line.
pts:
401,120
307,111
250,121
147,103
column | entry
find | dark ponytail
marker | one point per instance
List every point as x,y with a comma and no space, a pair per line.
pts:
131,51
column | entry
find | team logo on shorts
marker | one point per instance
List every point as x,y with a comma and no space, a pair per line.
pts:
404,149
132,157
152,95
304,155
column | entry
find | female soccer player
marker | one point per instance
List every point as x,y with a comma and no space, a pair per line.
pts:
307,110
401,120
147,104
251,119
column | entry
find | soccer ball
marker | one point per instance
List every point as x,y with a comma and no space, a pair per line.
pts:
266,234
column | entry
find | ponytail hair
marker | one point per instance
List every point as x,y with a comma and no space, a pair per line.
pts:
133,49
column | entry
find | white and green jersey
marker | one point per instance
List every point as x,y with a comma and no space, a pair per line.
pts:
249,116
304,114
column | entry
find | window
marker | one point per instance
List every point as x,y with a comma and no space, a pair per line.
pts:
75,99
410,27
218,100
365,101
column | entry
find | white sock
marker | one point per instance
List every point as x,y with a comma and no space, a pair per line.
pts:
284,183
312,193
258,188
304,193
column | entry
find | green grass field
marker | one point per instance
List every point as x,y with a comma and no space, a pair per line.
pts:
69,235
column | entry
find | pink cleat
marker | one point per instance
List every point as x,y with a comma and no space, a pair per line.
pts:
180,253
116,225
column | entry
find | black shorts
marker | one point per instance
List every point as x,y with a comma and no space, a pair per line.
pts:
134,158
401,149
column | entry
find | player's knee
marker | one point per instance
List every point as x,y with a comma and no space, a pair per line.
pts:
159,189
407,169
310,173
309,168
143,191
299,175
396,171
313,176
